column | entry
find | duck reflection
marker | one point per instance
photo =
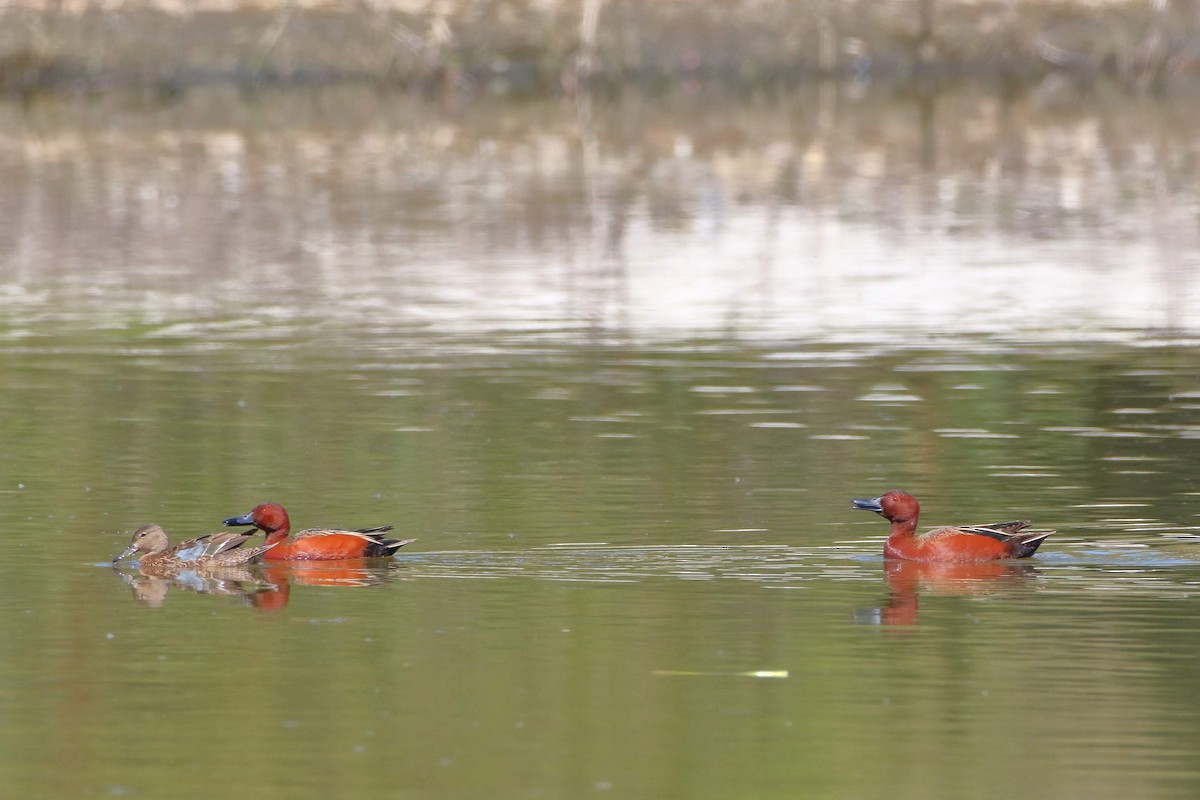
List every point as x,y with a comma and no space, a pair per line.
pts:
907,579
151,584
347,573
264,587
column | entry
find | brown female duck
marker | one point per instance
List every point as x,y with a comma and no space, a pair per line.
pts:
222,549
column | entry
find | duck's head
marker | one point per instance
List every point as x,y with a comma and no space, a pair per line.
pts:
147,539
892,506
267,517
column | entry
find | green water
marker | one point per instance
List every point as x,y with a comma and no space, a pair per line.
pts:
609,538
620,378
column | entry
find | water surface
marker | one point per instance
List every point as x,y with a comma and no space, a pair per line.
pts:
622,389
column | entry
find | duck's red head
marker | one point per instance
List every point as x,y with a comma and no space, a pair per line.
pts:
895,506
267,517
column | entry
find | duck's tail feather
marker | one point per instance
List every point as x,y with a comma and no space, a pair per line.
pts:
380,546
1023,545
380,529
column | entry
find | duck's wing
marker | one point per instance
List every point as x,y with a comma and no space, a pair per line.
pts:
238,557
380,529
380,545
1012,527
376,545
224,541
368,534
210,546
1001,531
1022,543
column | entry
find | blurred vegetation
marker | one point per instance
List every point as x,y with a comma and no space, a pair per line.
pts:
464,46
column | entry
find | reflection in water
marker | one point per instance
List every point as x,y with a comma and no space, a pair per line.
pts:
152,584
907,579
262,586
814,214
348,573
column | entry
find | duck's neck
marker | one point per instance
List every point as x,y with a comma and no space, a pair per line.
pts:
903,528
277,536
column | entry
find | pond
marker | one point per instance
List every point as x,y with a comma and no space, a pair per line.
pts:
620,370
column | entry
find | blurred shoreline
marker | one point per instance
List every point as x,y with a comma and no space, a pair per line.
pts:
822,213
462,47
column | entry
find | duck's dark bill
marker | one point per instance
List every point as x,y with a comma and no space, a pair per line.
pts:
128,551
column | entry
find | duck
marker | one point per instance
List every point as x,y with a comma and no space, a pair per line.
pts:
220,549
958,544
316,544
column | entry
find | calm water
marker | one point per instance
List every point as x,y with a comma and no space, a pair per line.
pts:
621,384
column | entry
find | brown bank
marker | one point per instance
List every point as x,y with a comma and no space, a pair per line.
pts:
525,46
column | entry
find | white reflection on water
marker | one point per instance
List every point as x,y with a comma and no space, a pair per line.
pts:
783,227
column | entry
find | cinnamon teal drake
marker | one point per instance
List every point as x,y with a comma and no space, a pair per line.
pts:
316,544
959,544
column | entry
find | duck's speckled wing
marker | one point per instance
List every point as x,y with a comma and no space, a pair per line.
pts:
239,556
210,546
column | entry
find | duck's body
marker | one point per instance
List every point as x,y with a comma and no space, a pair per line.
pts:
960,544
322,544
221,549
316,544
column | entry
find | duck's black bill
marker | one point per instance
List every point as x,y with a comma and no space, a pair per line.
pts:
871,504
244,519
128,551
